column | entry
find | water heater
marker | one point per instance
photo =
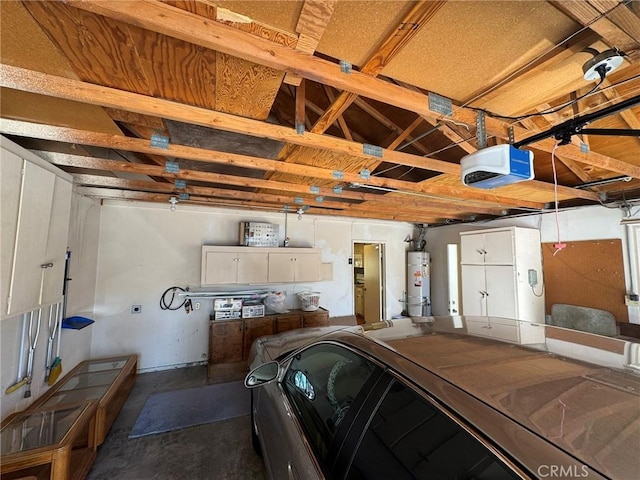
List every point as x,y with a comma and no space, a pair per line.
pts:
418,284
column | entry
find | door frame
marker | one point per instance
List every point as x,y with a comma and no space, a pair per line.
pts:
382,274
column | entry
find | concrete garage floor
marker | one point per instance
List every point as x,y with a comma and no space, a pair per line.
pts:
220,451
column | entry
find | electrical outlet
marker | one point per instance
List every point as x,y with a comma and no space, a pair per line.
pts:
136,308
196,306
533,277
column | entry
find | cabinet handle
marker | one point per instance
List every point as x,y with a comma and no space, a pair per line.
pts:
46,265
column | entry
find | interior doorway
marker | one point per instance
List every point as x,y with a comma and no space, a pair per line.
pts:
368,281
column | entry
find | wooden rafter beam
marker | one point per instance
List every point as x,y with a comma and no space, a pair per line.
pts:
283,200
151,186
14,77
398,139
606,18
628,115
171,21
117,142
377,115
312,22
445,208
341,121
300,101
406,30
36,82
117,194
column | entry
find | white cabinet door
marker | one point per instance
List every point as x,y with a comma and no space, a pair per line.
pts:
472,248
474,287
57,242
11,176
501,291
32,232
499,247
224,267
294,266
253,267
219,268
281,268
307,267
488,248
489,290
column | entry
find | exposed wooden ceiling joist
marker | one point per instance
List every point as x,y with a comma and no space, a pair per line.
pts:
431,204
173,22
62,134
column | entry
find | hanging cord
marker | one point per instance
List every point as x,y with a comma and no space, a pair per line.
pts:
558,246
166,302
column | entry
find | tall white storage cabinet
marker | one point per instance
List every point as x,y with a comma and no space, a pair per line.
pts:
498,268
36,204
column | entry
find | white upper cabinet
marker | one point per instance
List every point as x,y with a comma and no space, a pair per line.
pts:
294,265
488,248
36,201
223,265
229,265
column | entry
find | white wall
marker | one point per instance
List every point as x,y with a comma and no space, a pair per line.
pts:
587,223
74,344
145,249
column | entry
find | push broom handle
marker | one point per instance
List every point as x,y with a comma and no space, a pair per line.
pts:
22,338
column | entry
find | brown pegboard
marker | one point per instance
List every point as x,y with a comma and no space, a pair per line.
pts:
587,274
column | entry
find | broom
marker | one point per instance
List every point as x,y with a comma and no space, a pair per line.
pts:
56,365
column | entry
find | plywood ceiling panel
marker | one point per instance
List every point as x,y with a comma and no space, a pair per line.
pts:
24,44
177,70
495,38
244,88
100,49
54,111
357,28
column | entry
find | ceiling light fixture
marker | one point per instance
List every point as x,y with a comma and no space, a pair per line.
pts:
602,63
173,201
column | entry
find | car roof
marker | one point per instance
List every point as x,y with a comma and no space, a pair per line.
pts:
589,409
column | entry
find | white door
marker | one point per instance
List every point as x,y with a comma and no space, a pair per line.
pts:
499,247
501,289
372,283
57,242
33,230
11,176
474,287
472,248
220,268
307,267
253,267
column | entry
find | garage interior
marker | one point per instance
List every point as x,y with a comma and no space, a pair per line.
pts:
352,127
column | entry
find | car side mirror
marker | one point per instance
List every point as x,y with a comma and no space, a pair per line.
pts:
262,375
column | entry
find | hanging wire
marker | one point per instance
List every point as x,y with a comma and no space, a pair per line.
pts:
555,196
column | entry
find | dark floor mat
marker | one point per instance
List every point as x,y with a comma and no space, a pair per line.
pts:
167,411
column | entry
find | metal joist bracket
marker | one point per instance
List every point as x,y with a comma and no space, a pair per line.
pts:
159,141
171,167
481,131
